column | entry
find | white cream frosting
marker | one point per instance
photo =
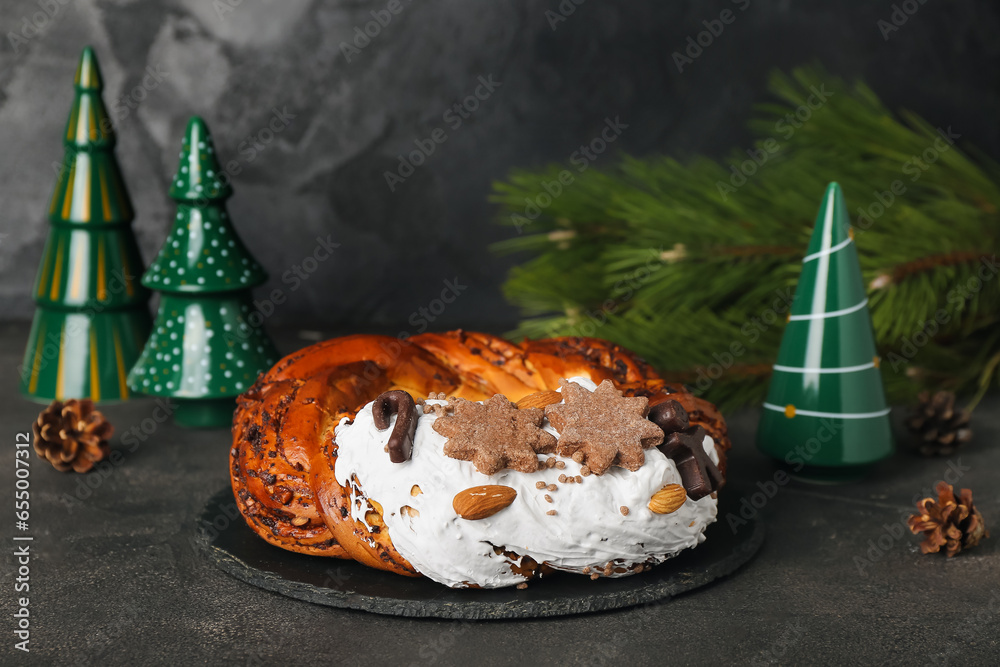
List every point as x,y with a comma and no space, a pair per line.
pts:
587,531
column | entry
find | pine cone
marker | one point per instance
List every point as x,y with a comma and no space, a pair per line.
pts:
72,435
952,523
938,426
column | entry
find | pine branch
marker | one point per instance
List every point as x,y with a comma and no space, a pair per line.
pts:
656,250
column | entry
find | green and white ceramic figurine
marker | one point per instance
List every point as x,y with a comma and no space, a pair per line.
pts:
205,348
826,416
92,316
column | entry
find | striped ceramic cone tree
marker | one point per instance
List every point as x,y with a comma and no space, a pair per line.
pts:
205,348
826,407
92,317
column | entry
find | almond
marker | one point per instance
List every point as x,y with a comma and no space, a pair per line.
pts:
479,502
374,517
539,399
668,499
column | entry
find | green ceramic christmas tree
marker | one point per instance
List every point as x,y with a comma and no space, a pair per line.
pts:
203,351
92,317
826,414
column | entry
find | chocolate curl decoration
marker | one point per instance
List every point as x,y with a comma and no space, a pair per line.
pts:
670,416
699,474
683,445
399,403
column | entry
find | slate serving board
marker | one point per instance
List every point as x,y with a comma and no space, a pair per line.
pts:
235,549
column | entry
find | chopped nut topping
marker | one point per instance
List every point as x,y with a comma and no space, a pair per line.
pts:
579,480
300,521
551,512
550,462
560,464
585,470
562,479
415,491
548,498
595,577
624,510
521,586
539,485
586,569
551,487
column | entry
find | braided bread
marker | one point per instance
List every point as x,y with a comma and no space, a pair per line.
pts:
285,452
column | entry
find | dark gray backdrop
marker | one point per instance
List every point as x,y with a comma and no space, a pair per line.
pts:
321,176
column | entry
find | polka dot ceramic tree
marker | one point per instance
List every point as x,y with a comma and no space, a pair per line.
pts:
92,316
826,414
203,351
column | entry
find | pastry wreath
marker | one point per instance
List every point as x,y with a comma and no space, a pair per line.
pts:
284,452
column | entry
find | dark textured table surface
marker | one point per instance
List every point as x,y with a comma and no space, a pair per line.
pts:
116,580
